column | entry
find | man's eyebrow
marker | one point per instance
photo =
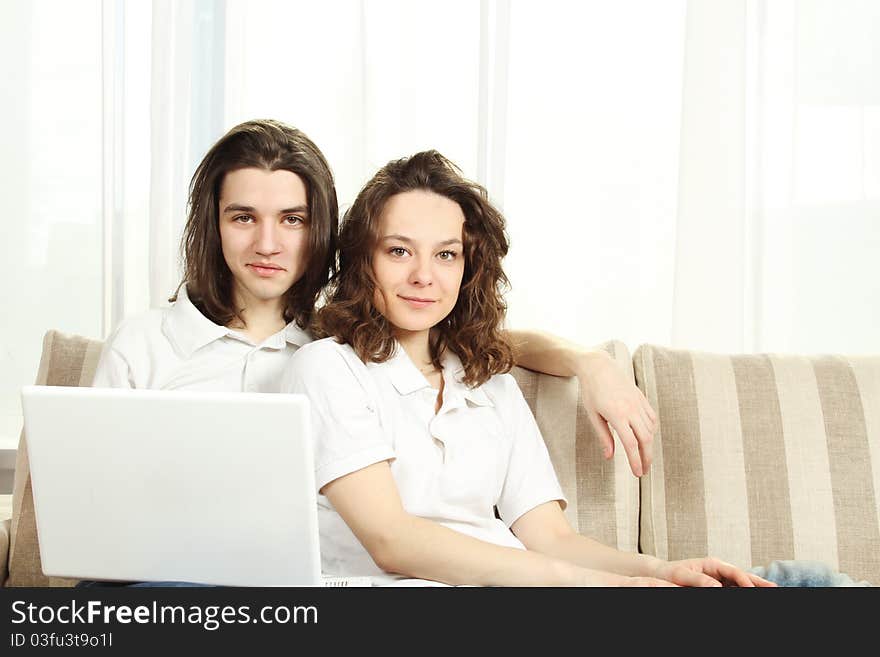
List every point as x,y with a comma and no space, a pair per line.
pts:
235,207
407,240
296,209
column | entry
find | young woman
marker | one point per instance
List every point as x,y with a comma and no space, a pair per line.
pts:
429,463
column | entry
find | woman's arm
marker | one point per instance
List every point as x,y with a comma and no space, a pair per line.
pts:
610,398
399,542
544,529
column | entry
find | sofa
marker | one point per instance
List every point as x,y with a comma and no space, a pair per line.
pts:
756,458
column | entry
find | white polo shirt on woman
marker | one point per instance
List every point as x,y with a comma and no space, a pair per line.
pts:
482,450
178,348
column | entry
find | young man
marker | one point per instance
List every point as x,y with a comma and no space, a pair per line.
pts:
258,248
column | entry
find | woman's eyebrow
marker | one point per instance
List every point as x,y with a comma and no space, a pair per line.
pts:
407,240
399,238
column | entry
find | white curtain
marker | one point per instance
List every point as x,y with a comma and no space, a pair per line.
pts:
778,223
51,247
698,174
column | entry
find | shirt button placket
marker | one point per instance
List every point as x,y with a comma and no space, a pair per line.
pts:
435,426
246,385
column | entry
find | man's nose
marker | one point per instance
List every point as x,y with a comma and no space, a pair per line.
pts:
267,238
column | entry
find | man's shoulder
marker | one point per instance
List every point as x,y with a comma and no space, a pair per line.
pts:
138,330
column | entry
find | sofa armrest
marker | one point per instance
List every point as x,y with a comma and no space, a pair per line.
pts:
5,529
67,360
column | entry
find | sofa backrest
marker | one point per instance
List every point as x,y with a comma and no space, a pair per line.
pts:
763,457
603,495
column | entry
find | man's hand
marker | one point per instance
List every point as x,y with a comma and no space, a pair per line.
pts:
610,398
707,571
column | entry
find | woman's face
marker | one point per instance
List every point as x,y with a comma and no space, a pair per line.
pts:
264,232
418,261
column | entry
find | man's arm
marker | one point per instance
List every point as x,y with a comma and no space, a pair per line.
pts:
609,397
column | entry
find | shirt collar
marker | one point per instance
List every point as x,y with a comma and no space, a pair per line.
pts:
189,330
296,335
406,378
453,373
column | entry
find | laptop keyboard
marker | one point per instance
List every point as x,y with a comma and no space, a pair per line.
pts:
327,580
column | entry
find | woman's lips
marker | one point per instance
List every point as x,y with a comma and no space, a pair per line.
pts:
417,302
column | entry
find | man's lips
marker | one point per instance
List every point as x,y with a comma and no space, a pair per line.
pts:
264,269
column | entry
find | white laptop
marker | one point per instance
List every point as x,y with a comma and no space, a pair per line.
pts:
149,485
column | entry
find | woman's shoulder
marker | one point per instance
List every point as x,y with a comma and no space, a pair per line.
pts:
325,356
323,348
502,389
327,369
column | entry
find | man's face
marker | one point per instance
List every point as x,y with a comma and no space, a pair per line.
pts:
418,262
264,230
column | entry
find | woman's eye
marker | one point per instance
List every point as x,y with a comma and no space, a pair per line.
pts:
447,255
398,251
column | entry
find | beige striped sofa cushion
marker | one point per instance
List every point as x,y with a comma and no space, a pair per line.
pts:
67,360
762,457
603,496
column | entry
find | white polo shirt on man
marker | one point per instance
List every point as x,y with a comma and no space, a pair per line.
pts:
482,450
178,348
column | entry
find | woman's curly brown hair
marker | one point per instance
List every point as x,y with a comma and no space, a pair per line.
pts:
473,329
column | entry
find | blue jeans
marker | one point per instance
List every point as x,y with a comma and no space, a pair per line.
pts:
804,573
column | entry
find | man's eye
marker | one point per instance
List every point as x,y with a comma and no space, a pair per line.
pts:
293,220
244,219
447,255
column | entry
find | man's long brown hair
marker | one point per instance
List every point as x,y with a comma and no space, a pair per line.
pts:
473,329
273,146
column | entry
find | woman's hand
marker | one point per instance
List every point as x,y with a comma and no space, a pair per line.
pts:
611,398
707,571
602,578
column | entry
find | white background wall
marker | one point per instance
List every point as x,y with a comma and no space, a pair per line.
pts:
697,174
